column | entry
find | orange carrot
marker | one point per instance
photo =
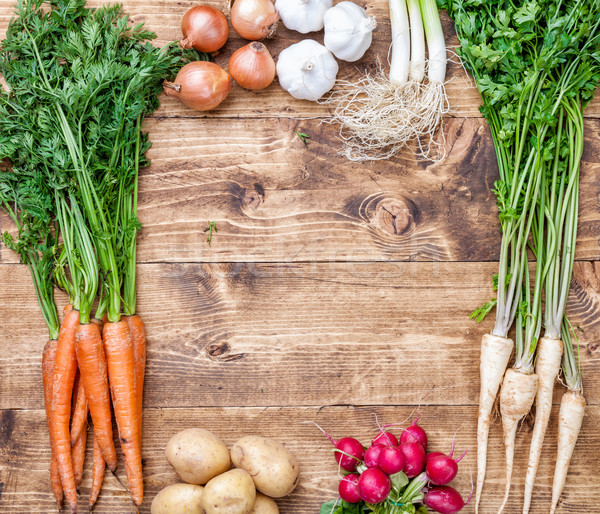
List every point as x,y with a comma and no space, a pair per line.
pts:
138,339
121,376
98,467
92,362
48,359
63,377
80,409
78,456
98,322
68,308
55,481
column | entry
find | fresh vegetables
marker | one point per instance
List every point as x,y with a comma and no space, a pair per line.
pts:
80,83
265,469
442,469
348,488
533,96
348,31
444,499
391,460
392,478
200,85
252,66
178,498
271,465
414,434
204,28
254,19
381,114
233,492
264,505
197,455
303,16
306,70
374,485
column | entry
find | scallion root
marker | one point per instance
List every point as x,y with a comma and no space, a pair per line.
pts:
378,118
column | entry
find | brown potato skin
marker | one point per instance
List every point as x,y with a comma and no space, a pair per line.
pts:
273,467
197,455
182,498
230,493
264,505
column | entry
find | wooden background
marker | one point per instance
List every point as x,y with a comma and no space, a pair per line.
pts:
333,292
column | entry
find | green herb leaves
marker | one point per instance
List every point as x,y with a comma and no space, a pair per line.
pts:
81,82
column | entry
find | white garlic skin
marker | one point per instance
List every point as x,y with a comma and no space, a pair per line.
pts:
348,31
303,16
307,70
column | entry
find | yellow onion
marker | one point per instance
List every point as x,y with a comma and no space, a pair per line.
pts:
204,28
254,19
252,66
200,85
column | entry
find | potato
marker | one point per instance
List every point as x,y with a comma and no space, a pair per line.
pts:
264,505
230,493
272,466
197,455
178,498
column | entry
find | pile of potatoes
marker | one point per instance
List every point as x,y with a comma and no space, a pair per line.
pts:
263,469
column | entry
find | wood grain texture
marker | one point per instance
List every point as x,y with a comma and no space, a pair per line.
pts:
164,17
275,201
27,457
331,292
300,334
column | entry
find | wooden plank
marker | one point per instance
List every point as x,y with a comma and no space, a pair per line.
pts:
164,18
298,334
24,454
275,201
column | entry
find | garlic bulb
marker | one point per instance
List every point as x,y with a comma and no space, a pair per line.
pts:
303,15
348,31
306,70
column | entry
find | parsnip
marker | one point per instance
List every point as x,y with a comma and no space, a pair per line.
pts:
495,354
516,398
547,367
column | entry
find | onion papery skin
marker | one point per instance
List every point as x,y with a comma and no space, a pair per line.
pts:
252,66
200,85
204,29
254,19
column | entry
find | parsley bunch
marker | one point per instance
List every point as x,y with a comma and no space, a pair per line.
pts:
536,65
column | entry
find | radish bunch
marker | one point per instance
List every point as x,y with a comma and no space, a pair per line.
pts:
394,475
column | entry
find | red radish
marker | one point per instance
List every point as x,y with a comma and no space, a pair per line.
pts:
414,434
444,499
371,459
391,460
441,469
414,457
348,453
348,488
386,439
431,455
374,486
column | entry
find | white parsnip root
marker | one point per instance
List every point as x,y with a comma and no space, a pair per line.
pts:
549,358
570,418
516,398
495,354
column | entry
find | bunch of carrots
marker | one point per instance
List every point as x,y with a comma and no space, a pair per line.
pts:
80,82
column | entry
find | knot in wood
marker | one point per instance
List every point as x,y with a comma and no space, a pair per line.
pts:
252,199
218,349
393,216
